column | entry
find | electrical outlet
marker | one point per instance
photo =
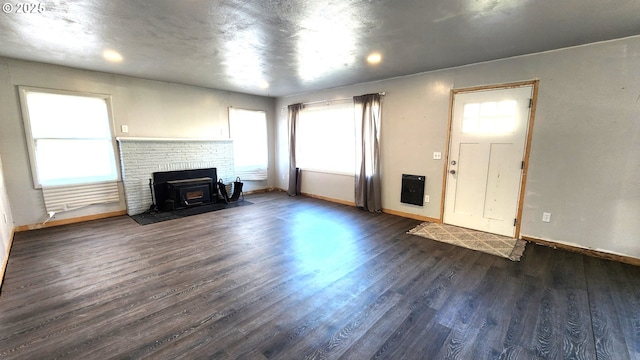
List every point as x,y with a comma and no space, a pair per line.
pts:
546,217
426,198
125,129
437,155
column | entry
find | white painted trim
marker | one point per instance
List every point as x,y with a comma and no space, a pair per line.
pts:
132,139
5,261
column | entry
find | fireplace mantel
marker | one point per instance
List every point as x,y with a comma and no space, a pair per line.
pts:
139,139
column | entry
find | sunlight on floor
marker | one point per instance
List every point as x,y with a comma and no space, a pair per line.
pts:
324,246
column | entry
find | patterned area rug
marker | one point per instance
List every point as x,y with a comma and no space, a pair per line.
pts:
503,246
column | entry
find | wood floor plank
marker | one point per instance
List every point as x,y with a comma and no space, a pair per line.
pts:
458,308
307,297
150,292
296,277
350,291
610,338
563,329
465,313
422,307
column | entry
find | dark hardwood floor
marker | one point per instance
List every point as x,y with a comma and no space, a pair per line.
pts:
300,278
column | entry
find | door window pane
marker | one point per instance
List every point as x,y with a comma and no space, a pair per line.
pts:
491,117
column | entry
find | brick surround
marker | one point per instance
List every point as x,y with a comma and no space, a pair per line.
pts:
141,157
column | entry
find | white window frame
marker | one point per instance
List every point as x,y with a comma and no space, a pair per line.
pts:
31,147
257,172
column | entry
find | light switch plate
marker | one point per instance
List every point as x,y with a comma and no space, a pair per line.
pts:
546,217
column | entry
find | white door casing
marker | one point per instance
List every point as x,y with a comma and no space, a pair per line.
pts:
486,154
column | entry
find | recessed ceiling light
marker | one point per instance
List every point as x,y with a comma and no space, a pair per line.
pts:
374,58
263,84
111,55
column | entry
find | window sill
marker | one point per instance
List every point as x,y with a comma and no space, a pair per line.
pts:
329,172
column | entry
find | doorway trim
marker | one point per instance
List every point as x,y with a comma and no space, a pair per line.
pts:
534,98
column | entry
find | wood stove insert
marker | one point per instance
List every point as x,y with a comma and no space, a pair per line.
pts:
189,192
181,189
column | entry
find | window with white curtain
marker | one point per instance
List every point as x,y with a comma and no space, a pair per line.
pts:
68,137
325,138
248,130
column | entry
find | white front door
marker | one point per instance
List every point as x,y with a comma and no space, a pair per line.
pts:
486,153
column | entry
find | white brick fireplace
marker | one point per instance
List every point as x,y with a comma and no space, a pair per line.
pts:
141,157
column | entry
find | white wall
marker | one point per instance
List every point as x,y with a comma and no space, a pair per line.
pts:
6,222
585,155
149,108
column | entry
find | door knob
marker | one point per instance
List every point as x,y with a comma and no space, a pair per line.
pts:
453,172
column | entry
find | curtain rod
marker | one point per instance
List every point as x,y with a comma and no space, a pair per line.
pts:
329,101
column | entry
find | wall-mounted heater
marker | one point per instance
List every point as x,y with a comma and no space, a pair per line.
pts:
412,189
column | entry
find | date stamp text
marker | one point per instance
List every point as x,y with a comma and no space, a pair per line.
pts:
23,8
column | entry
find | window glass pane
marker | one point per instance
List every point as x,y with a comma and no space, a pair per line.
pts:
71,140
248,129
62,162
67,116
471,110
490,117
325,138
488,109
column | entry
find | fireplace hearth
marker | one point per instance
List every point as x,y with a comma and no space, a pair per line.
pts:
181,189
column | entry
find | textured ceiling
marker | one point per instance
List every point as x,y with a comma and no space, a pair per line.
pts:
284,47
